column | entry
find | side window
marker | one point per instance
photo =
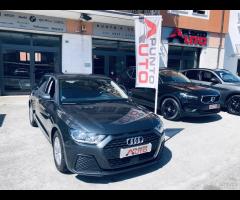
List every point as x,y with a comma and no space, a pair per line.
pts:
43,83
207,76
51,88
193,74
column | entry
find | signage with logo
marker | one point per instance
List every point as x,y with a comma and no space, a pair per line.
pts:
32,22
189,37
147,39
113,31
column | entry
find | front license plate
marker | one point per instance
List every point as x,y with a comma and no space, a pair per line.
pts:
214,106
133,151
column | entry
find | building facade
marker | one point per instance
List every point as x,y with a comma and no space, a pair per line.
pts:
232,43
35,42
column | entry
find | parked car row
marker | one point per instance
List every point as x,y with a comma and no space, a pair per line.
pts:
224,81
222,88
97,127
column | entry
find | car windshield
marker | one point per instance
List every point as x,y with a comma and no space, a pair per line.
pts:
85,90
168,76
228,77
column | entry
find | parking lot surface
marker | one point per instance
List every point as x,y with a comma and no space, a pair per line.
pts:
200,153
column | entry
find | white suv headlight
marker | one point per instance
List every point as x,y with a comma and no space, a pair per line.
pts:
84,137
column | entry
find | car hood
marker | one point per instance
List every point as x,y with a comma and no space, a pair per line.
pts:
193,88
109,117
235,86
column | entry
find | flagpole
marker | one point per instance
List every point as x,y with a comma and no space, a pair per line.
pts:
156,91
156,100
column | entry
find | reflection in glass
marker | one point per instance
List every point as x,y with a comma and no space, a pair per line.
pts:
98,63
16,70
44,63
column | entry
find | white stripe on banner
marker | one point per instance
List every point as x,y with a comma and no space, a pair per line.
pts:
147,38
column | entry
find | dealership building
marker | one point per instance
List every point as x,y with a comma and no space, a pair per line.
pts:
232,43
35,42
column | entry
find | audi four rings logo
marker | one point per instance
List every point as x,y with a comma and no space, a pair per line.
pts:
135,140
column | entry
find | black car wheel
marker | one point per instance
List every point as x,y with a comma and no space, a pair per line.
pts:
58,154
170,109
233,105
32,117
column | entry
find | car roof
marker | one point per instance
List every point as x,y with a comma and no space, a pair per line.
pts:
167,69
214,70
77,76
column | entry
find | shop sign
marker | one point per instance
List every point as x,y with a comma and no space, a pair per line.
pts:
113,31
32,22
189,37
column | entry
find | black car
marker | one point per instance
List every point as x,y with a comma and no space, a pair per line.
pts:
94,127
222,80
178,97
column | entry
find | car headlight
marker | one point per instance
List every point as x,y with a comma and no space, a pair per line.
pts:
188,96
160,127
84,137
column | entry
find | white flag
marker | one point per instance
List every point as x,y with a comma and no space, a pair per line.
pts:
147,39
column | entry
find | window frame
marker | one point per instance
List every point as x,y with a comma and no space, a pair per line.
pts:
190,13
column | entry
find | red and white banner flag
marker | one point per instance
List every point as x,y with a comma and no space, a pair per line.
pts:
147,39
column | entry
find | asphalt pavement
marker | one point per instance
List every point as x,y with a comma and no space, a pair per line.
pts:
201,153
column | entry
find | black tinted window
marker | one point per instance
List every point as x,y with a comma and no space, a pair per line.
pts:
193,74
207,76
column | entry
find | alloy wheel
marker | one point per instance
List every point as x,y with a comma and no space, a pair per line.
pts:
57,151
234,105
170,109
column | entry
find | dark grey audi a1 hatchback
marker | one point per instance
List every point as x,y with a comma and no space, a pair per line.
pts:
94,127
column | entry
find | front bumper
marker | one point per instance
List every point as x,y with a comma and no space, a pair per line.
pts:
197,110
103,159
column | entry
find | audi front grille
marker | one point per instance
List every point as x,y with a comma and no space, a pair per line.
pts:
112,150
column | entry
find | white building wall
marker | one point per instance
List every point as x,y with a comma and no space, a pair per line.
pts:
232,39
76,54
208,58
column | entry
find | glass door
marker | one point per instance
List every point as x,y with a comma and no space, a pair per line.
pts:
16,70
23,67
45,62
116,66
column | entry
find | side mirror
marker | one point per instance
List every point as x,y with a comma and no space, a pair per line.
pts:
214,80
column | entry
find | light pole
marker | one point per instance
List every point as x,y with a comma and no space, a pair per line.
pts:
221,38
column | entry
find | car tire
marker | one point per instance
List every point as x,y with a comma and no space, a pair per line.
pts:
233,105
58,154
170,109
32,116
